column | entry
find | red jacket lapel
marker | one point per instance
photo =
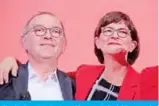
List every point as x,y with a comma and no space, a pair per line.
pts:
130,88
85,78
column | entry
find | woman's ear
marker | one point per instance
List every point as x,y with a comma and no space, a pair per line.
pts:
132,46
97,43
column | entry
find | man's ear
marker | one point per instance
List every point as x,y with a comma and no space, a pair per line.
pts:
133,46
23,41
97,43
64,45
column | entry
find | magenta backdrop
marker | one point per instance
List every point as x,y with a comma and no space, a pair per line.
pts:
80,18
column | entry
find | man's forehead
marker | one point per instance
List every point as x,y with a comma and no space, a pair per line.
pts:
45,20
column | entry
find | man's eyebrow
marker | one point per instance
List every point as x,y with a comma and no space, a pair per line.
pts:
30,27
34,25
57,27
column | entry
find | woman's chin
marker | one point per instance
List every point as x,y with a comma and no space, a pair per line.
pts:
116,51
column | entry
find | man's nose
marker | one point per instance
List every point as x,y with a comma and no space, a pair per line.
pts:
48,35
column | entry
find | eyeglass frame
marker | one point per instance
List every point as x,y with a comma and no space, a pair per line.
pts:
116,30
33,29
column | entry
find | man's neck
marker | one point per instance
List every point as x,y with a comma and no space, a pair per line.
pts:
43,68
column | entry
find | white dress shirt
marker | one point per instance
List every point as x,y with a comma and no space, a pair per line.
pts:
43,90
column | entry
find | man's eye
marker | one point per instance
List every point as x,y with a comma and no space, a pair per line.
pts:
56,31
38,30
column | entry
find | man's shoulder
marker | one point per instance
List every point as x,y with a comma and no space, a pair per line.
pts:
63,76
61,72
7,91
10,90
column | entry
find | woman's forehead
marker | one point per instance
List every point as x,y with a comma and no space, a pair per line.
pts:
120,25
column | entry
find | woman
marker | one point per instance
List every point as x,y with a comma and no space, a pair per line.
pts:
116,45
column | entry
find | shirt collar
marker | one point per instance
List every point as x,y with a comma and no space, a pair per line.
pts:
33,74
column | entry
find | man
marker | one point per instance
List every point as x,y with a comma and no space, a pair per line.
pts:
40,79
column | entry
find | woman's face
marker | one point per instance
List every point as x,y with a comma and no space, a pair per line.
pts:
115,38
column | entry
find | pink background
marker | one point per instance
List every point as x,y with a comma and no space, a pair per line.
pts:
80,18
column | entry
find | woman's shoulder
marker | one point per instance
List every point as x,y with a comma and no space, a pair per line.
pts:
87,67
88,72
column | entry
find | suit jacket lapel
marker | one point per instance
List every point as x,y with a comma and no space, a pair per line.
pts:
66,85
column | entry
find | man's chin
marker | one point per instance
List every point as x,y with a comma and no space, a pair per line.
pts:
47,56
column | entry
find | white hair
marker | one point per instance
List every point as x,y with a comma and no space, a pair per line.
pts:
26,27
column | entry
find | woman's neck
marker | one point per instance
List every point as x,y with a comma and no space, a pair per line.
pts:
115,69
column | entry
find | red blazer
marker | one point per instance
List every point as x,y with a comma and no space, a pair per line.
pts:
86,76
149,83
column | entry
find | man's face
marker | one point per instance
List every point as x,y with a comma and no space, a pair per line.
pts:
45,37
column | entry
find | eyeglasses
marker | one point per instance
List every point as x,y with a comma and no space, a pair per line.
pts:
122,32
41,31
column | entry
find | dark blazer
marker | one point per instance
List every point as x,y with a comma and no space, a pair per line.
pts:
149,83
16,89
86,76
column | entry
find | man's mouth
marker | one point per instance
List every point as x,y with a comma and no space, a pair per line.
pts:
47,45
